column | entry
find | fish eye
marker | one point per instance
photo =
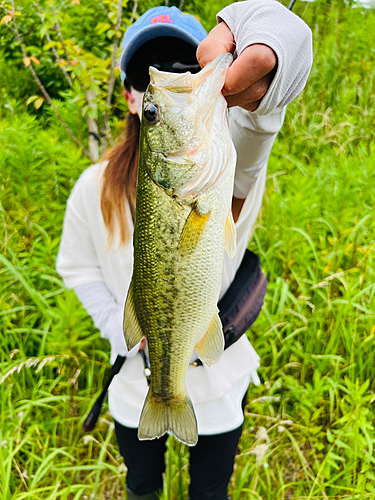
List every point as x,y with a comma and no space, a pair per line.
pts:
151,112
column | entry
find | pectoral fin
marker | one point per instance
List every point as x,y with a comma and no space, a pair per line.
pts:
132,329
230,236
211,347
193,229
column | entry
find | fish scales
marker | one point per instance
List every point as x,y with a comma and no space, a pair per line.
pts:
182,224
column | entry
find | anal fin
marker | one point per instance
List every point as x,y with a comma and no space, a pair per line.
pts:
132,329
230,236
211,347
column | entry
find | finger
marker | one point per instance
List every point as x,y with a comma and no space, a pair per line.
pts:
143,343
218,41
252,106
251,95
255,62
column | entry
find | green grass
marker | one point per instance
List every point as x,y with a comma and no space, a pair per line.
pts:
309,429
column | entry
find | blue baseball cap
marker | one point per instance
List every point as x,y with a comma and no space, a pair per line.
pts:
157,22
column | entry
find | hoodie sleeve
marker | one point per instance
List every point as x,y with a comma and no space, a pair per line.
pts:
77,260
106,314
253,137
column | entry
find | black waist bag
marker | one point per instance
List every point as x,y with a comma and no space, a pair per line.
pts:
243,301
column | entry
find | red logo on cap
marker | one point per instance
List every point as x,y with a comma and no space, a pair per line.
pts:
161,19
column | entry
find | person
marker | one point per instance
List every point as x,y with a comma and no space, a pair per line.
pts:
272,51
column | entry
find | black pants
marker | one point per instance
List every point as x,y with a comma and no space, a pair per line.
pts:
211,462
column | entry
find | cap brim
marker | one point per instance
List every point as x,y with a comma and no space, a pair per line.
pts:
150,32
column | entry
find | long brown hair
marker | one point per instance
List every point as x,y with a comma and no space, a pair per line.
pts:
119,182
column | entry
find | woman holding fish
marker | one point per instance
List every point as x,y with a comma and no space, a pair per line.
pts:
198,196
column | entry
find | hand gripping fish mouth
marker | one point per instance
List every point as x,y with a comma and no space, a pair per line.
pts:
183,226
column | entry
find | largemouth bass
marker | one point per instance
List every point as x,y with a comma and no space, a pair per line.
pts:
183,225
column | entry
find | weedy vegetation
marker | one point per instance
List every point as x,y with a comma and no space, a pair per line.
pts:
309,428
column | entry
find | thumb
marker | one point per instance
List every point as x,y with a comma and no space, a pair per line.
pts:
218,41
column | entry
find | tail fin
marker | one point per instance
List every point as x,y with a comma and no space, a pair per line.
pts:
178,419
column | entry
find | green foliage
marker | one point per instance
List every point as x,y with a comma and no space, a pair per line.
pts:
309,428
70,46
